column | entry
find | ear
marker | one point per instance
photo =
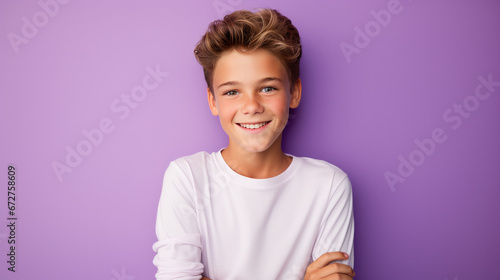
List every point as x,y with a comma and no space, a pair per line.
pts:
296,94
212,103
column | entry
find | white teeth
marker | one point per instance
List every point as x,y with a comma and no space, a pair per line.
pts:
253,126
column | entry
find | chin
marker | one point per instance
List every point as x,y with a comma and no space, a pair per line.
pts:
256,148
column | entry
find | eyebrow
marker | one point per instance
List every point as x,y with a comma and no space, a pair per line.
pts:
263,80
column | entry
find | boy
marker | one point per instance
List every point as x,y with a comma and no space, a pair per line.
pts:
250,211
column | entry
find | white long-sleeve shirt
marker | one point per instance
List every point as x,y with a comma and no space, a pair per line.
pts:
215,222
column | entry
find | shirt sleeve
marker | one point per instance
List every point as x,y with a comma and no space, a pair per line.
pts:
337,227
179,242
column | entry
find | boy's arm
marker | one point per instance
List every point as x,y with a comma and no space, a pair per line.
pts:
337,230
325,268
179,242
336,237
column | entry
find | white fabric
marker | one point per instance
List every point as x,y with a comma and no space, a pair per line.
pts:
214,222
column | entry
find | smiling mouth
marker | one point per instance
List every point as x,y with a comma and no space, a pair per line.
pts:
253,125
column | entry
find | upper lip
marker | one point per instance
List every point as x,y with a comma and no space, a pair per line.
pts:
252,122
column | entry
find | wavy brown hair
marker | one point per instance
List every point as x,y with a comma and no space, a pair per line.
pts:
247,31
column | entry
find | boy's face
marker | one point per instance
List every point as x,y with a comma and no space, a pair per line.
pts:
252,98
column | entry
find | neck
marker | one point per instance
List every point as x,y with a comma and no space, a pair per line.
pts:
258,165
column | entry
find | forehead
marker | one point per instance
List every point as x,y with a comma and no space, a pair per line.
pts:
234,65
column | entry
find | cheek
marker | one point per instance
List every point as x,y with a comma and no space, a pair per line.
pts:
225,112
280,106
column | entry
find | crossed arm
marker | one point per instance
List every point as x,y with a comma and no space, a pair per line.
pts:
323,268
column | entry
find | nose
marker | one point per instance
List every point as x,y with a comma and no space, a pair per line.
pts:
252,104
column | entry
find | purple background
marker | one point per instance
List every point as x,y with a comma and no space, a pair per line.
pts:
98,222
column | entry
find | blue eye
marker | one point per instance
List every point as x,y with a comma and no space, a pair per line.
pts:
231,93
268,89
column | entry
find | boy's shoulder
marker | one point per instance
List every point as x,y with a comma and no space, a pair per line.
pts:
194,159
323,175
320,167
